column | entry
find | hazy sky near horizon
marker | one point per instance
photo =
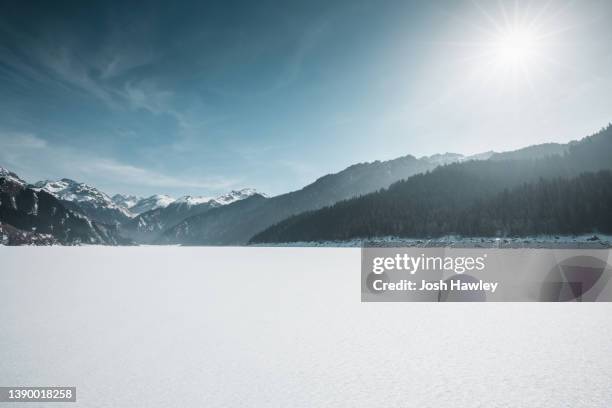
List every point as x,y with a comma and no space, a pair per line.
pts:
199,97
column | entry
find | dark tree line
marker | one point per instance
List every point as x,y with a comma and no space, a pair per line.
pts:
576,205
558,194
558,206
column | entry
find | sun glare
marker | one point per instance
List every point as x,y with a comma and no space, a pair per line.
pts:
516,45
509,46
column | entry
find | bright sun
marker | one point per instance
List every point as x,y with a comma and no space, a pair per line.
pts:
510,48
516,45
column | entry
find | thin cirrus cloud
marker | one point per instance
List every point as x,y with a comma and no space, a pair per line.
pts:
133,94
60,62
25,153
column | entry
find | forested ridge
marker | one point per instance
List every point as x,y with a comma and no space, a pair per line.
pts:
565,193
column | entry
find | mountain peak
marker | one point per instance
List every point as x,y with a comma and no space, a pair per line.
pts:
11,176
192,200
125,200
153,202
236,195
80,193
224,199
443,158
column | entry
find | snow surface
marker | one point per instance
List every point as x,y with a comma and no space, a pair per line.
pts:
280,327
585,241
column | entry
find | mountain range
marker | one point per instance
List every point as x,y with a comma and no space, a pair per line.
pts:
236,224
148,226
526,192
407,196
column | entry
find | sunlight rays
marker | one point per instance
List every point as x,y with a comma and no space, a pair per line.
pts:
513,46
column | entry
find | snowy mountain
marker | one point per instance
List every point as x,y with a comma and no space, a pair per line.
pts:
92,202
36,217
237,195
151,203
225,199
9,175
190,201
147,226
137,205
231,218
125,201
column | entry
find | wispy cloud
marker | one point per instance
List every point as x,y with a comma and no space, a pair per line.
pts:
25,141
33,158
133,175
102,73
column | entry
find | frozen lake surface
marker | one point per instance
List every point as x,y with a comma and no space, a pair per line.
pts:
586,241
279,327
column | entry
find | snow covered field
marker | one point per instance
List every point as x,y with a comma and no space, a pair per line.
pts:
279,327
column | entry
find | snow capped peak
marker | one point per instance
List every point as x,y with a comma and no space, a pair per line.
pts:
224,199
81,193
56,187
138,205
151,203
126,201
11,176
4,172
192,200
162,200
235,195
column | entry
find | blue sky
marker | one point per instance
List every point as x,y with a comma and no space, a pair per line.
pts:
202,97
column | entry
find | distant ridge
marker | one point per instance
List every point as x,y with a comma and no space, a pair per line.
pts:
548,188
